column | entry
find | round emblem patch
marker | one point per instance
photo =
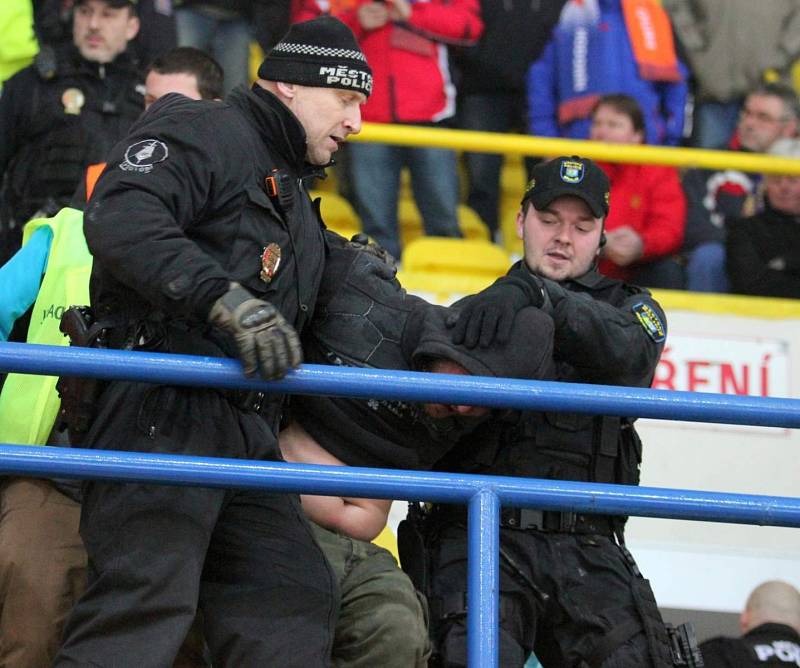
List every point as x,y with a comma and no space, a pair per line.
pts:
144,155
73,100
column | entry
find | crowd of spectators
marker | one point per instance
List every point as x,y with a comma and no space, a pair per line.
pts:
536,68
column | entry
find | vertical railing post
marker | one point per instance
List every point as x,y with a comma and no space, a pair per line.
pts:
483,579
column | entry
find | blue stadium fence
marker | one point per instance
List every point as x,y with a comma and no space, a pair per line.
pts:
483,495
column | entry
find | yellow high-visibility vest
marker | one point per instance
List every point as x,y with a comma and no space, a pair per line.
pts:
29,404
18,46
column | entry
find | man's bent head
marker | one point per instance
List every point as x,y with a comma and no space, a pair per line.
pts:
319,72
185,70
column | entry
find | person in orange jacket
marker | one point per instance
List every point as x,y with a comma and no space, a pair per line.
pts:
406,43
646,223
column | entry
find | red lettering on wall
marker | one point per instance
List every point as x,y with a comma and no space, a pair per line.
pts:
729,383
664,378
696,380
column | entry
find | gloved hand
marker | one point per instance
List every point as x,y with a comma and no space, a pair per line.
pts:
361,241
489,315
266,342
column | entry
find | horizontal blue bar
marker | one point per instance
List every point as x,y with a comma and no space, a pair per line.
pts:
404,385
389,484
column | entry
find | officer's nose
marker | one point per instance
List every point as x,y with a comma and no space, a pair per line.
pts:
564,234
353,121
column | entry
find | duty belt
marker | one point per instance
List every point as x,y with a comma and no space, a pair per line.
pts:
551,521
545,521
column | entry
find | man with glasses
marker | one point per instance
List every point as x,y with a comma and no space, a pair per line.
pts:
770,112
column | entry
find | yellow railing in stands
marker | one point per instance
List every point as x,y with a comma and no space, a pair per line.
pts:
513,144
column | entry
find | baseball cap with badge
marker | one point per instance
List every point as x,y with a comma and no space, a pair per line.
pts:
576,176
322,52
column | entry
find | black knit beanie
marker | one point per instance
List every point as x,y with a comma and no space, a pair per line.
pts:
322,52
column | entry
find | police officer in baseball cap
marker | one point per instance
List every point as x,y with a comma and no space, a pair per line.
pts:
64,112
570,591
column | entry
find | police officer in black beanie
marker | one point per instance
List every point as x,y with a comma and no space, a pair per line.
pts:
570,591
205,242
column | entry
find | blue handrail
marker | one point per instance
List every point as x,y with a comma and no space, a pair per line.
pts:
484,495
405,385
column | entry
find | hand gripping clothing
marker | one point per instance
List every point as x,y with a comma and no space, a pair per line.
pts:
569,591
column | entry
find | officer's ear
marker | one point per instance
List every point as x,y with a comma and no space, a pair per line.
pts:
287,90
132,27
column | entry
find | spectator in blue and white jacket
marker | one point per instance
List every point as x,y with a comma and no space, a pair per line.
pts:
608,46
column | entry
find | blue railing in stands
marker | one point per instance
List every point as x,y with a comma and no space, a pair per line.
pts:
484,495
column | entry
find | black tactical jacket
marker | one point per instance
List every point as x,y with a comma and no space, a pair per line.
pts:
182,210
58,117
606,332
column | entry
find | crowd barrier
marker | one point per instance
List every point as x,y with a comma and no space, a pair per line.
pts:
484,495
515,144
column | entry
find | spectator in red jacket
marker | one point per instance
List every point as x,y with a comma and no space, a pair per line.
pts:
646,223
406,43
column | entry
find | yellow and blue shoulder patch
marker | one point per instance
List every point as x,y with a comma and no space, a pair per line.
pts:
651,321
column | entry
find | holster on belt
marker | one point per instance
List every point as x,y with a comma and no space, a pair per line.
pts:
412,548
79,395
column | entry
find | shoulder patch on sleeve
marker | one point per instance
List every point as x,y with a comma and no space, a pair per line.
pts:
651,321
144,155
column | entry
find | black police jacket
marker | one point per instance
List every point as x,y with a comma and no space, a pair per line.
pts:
58,117
765,645
182,210
606,332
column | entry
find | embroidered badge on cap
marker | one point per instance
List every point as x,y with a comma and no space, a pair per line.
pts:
144,155
73,101
571,171
270,261
651,322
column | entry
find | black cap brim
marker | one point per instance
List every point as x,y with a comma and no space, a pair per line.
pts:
542,199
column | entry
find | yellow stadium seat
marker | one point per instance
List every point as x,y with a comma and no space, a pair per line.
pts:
337,213
256,57
409,220
440,288
472,227
388,541
467,257
513,177
508,225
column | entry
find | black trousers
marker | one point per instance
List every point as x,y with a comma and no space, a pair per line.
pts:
574,600
247,558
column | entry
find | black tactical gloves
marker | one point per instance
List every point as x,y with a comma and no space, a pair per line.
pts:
266,342
489,315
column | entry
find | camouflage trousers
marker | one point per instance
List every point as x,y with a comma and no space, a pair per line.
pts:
382,619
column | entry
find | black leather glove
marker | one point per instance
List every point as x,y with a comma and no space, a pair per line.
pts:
266,342
361,241
489,315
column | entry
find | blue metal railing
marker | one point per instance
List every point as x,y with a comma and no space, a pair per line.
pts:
484,495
